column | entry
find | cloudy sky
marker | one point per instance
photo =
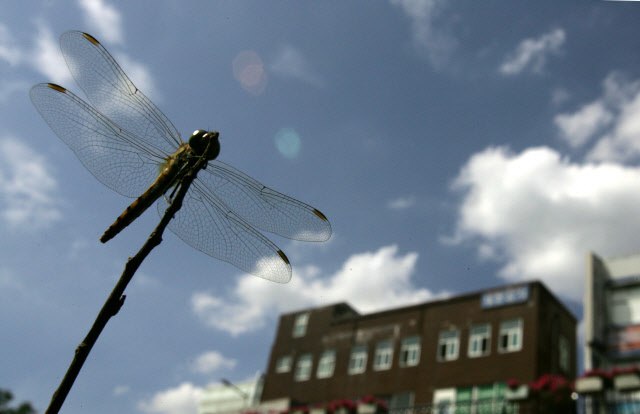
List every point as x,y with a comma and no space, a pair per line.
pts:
454,146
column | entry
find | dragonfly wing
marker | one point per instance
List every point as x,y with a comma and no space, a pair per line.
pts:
110,153
207,225
112,93
263,207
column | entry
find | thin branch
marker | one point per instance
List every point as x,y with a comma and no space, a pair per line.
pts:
116,298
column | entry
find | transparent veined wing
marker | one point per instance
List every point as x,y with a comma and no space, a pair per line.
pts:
113,155
208,225
111,92
125,138
261,206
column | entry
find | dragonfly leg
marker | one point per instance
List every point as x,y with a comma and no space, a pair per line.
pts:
173,192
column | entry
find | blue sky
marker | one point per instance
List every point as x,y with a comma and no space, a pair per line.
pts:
454,146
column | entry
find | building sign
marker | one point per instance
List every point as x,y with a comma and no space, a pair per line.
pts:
505,297
624,341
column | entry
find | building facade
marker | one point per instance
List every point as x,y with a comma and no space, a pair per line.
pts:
460,348
611,381
612,312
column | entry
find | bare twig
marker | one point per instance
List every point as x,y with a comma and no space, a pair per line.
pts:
116,298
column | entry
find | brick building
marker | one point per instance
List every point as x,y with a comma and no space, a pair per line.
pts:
460,348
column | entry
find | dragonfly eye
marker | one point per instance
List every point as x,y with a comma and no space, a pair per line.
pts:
199,141
198,132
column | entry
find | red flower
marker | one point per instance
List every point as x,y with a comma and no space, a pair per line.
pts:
513,383
596,373
343,403
625,370
550,382
370,399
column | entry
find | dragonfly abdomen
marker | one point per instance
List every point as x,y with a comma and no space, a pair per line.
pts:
165,180
129,215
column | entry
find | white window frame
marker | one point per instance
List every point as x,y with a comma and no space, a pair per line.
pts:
326,364
283,364
449,342
410,351
300,325
444,400
383,357
303,367
358,360
482,335
513,331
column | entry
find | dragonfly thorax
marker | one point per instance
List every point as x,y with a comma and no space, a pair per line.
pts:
200,140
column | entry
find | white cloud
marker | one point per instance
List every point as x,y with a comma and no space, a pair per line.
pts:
612,121
48,60
539,213
369,281
290,63
212,361
8,51
140,75
27,188
105,18
532,53
579,127
429,37
119,390
179,400
401,203
46,57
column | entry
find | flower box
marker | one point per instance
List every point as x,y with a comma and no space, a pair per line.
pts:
371,405
594,381
519,392
628,381
368,409
591,384
343,406
318,410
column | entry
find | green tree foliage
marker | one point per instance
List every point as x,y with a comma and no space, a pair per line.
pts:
5,399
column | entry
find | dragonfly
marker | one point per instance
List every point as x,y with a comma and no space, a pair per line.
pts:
130,146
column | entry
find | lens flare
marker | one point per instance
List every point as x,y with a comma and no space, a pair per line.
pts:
248,69
288,142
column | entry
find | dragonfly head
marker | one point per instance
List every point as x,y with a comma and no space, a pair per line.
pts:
199,141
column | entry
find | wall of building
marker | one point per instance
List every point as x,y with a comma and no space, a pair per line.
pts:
543,319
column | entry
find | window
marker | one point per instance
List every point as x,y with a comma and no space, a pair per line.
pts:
300,325
478,399
303,368
479,340
510,335
410,351
383,356
358,360
444,402
564,355
401,400
489,398
283,364
326,364
448,345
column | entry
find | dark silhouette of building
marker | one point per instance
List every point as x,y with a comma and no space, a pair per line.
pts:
460,348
